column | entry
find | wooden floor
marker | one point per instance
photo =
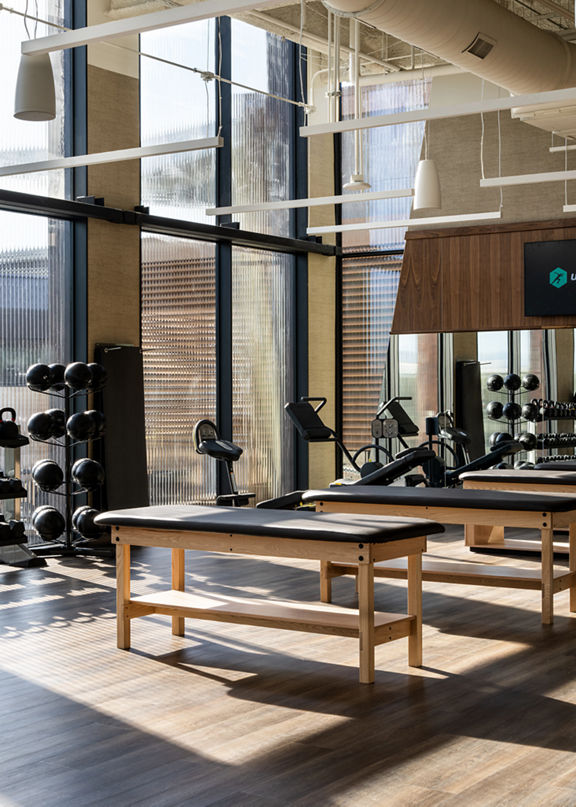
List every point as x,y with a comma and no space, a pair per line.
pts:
236,716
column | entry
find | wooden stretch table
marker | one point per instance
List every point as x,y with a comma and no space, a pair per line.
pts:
542,479
359,539
541,511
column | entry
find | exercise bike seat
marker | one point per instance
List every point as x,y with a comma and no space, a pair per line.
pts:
220,450
456,435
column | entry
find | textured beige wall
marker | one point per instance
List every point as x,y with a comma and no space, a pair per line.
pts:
322,310
113,249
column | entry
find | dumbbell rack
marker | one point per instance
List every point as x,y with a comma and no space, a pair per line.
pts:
16,554
64,545
547,415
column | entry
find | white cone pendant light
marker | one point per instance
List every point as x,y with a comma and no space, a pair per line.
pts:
427,194
35,95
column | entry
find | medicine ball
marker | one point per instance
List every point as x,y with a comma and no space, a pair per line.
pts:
494,410
524,466
512,382
527,440
85,523
57,376
511,410
99,423
503,466
530,412
58,422
38,377
88,473
501,437
78,376
76,514
99,375
40,426
495,383
48,522
80,427
47,474
530,382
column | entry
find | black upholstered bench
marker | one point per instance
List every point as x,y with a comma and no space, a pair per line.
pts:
359,539
472,508
542,479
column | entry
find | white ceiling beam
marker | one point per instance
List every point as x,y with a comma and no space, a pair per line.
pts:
382,225
312,201
119,155
528,179
203,10
552,97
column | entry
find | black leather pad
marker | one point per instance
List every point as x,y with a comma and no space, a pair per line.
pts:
442,497
568,465
272,523
539,476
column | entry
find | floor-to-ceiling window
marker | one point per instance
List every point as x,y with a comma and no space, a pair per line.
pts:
181,278
35,252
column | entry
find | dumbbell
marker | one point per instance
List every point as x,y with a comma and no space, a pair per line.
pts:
11,532
11,488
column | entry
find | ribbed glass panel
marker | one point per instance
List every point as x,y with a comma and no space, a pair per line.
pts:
369,287
177,104
391,155
260,127
418,377
262,376
28,141
34,323
178,340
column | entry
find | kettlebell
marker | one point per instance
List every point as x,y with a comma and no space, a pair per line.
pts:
8,428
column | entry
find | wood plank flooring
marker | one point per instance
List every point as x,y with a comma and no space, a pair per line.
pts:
238,716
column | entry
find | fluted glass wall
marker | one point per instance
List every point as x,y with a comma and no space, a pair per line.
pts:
260,126
178,104
26,141
391,156
369,287
262,370
34,324
179,348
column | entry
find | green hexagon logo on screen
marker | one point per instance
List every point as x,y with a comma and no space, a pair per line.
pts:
558,277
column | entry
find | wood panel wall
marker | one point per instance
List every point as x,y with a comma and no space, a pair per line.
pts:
472,278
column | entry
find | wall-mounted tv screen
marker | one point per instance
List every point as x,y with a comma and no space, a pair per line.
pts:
550,278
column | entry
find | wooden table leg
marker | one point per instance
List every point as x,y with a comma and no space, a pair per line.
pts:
366,621
415,609
572,565
325,581
482,535
178,577
547,536
122,595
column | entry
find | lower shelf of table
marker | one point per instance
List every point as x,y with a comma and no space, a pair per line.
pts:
518,545
328,619
474,574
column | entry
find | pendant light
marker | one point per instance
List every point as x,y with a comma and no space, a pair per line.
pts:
357,181
427,193
35,98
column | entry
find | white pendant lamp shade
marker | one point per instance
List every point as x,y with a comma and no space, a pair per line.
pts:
427,194
35,95
357,183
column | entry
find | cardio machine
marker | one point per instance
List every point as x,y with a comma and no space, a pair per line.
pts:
207,441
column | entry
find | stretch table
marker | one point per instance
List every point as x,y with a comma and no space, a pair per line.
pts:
359,539
543,479
541,511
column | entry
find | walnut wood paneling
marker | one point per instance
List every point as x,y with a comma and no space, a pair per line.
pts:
420,294
472,278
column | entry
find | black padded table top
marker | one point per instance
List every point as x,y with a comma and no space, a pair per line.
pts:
272,523
541,477
567,465
442,497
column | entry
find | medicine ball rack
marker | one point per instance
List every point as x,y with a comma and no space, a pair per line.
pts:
64,545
